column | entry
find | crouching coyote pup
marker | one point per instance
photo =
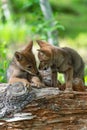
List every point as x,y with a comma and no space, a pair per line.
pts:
64,60
23,68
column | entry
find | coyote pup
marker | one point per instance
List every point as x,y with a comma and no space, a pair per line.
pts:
23,67
64,60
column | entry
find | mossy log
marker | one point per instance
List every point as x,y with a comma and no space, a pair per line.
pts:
49,109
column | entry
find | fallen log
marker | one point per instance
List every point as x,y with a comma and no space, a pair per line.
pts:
46,109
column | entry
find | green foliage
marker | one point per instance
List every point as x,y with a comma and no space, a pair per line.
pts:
4,62
72,15
86,75
80,41
43,28
11,33
60,77
24,6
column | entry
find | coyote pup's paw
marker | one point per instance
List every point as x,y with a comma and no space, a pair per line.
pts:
68,87
35,81
26,84
68,90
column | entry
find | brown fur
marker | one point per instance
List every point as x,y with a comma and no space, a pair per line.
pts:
64,60
77,85
23,67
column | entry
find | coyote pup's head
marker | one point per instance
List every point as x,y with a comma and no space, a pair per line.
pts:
44,54
25,60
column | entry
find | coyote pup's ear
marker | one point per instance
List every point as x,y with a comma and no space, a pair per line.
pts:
29,47
18,55
43,54
41,43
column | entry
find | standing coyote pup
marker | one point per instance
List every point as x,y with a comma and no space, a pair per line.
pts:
64,60
23,67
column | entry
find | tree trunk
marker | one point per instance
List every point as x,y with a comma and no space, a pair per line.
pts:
6,16
47,12
51,109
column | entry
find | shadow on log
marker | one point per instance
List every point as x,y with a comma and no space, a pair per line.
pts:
45,108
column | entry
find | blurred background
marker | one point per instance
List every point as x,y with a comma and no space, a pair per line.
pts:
60,22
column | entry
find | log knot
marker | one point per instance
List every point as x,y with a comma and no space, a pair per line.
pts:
14,98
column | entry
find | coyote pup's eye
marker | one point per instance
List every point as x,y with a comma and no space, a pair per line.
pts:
29,66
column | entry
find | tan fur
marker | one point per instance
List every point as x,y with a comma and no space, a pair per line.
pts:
23,67
64,60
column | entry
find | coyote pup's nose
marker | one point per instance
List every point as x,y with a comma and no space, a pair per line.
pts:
37,73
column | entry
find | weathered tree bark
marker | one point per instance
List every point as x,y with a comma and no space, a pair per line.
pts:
48,14
51,109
